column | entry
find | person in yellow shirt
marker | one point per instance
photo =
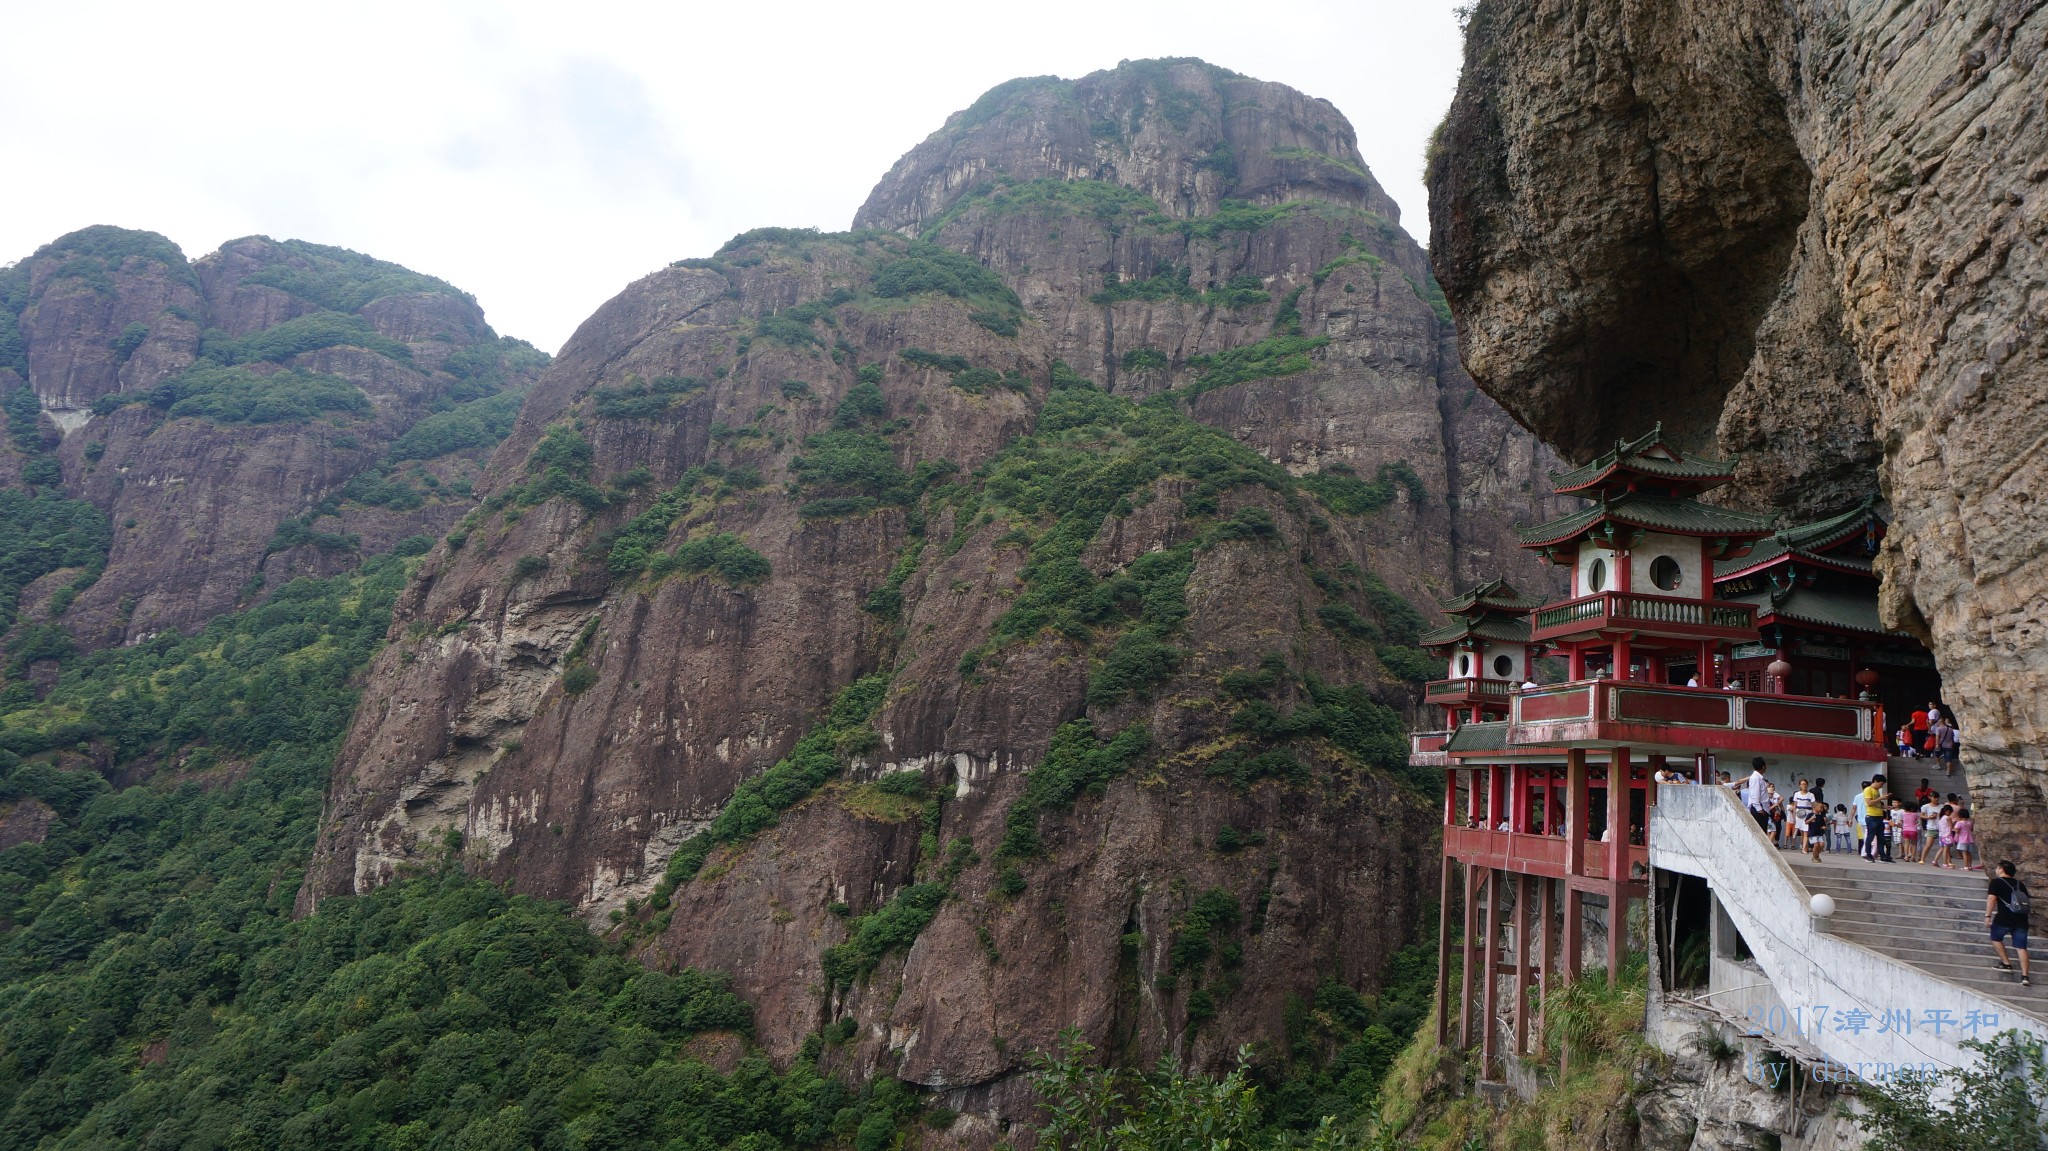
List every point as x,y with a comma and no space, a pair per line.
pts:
1876,844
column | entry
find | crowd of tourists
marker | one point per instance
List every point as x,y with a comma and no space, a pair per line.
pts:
1929,733
1928,828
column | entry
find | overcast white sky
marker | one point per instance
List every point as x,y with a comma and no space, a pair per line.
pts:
541,156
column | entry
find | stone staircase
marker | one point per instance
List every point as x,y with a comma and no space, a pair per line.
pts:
1930,918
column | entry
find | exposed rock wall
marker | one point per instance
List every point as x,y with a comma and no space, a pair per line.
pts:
1140,252
108,314
1808,232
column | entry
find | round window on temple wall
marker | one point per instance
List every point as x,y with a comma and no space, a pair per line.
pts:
1666,573
1596,577
1464,666
1502,665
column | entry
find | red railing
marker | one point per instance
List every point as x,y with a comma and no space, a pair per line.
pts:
1467,688
1652,613
1606,701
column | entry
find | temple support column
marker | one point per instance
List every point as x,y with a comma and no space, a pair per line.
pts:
1574,859
1618,786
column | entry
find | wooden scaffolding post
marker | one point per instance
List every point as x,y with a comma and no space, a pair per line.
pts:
1525,959
1443,955
1489,1032
1548,913
1468,952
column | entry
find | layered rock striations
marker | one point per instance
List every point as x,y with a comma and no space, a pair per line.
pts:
990,619
274,408
1807,232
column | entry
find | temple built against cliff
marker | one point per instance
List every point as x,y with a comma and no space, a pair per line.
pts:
1695,639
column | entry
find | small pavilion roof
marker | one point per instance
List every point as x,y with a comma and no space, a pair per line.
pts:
1479,737
1651,513
1809,542
1508,629
1495,593
1648,455
1841,610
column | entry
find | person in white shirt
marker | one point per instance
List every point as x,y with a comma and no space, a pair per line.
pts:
1756,795
1802,812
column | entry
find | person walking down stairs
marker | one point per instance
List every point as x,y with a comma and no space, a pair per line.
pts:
2006,906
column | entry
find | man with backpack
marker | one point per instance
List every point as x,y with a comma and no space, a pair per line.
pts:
2005,912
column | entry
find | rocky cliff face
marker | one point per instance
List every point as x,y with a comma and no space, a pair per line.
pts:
240,419
991,619
1808,232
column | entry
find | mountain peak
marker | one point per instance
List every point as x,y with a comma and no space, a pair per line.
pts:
1185,132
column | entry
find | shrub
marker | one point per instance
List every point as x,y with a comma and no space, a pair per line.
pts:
308,333
344,281
1075,762
42,533
1241,291
239,396
1345,620
528,567
1167,282
757,802
1138,661
477,424
925,359
131,338
1340,489
1144,360
638,399
580,677
1269,358
724,555
926,267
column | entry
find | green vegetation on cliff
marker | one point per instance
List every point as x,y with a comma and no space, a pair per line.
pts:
42,532
340,280
155,991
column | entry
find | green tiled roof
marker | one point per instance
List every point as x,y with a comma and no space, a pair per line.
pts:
1837,609
1496,593
1807,541
1511,630
1833,530
1479,737
1651,513
1628,455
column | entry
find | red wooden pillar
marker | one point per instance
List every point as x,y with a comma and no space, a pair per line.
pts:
1574,859
1617,861
1621,658
1489,1041
1443,954
1577,663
